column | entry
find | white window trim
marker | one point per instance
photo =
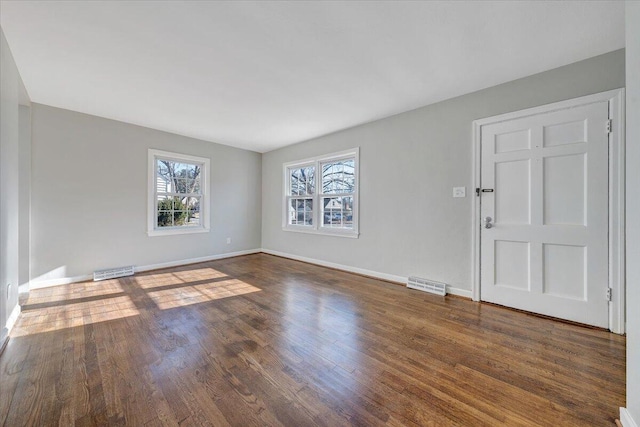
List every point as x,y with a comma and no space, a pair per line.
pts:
317,228
152,230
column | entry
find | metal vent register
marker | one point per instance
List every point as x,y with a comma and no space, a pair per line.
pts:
427,286
112,273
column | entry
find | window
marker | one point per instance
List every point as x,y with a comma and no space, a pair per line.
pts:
302,182
177,194
321,194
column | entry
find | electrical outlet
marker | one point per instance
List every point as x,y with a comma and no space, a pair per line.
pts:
228,240
459,192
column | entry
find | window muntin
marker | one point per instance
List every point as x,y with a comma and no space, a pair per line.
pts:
321,194
178,193
302,183
338,181
178,196
301,212
338,176
337,212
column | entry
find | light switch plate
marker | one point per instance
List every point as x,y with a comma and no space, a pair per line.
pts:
459,191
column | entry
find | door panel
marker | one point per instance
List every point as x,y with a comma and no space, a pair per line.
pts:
547,248
564,271
512,204
508,254
564,189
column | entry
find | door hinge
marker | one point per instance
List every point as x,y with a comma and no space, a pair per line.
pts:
608,296
609,125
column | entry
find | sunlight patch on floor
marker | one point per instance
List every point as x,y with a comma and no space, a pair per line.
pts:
74,291
55,318
187,295
158,280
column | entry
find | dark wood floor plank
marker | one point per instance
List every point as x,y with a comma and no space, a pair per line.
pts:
260,340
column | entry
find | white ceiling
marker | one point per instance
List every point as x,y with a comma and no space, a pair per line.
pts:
262,75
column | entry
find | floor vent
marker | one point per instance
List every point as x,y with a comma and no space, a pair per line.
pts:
112,273
427,286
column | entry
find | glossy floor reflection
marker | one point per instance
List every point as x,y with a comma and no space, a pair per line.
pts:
260,340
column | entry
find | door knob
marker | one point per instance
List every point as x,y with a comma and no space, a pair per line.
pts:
487,222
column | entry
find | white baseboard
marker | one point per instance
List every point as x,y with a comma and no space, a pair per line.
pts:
195,260
384,276
37,284
13,317
625,418
459,292
46,283
378,275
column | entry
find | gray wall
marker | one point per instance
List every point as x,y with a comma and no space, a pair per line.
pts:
633,208
24,202
11,92
409,222
89,196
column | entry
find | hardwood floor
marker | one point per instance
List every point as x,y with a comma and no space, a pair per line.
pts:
260,340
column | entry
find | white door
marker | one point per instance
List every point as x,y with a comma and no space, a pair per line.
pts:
546,250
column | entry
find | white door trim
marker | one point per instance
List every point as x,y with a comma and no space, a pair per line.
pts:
616,194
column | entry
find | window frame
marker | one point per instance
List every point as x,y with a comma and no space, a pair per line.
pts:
152,202
317,226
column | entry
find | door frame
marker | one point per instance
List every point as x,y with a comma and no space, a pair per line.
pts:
616,243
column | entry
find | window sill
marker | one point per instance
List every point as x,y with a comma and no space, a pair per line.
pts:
176,231
323,232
